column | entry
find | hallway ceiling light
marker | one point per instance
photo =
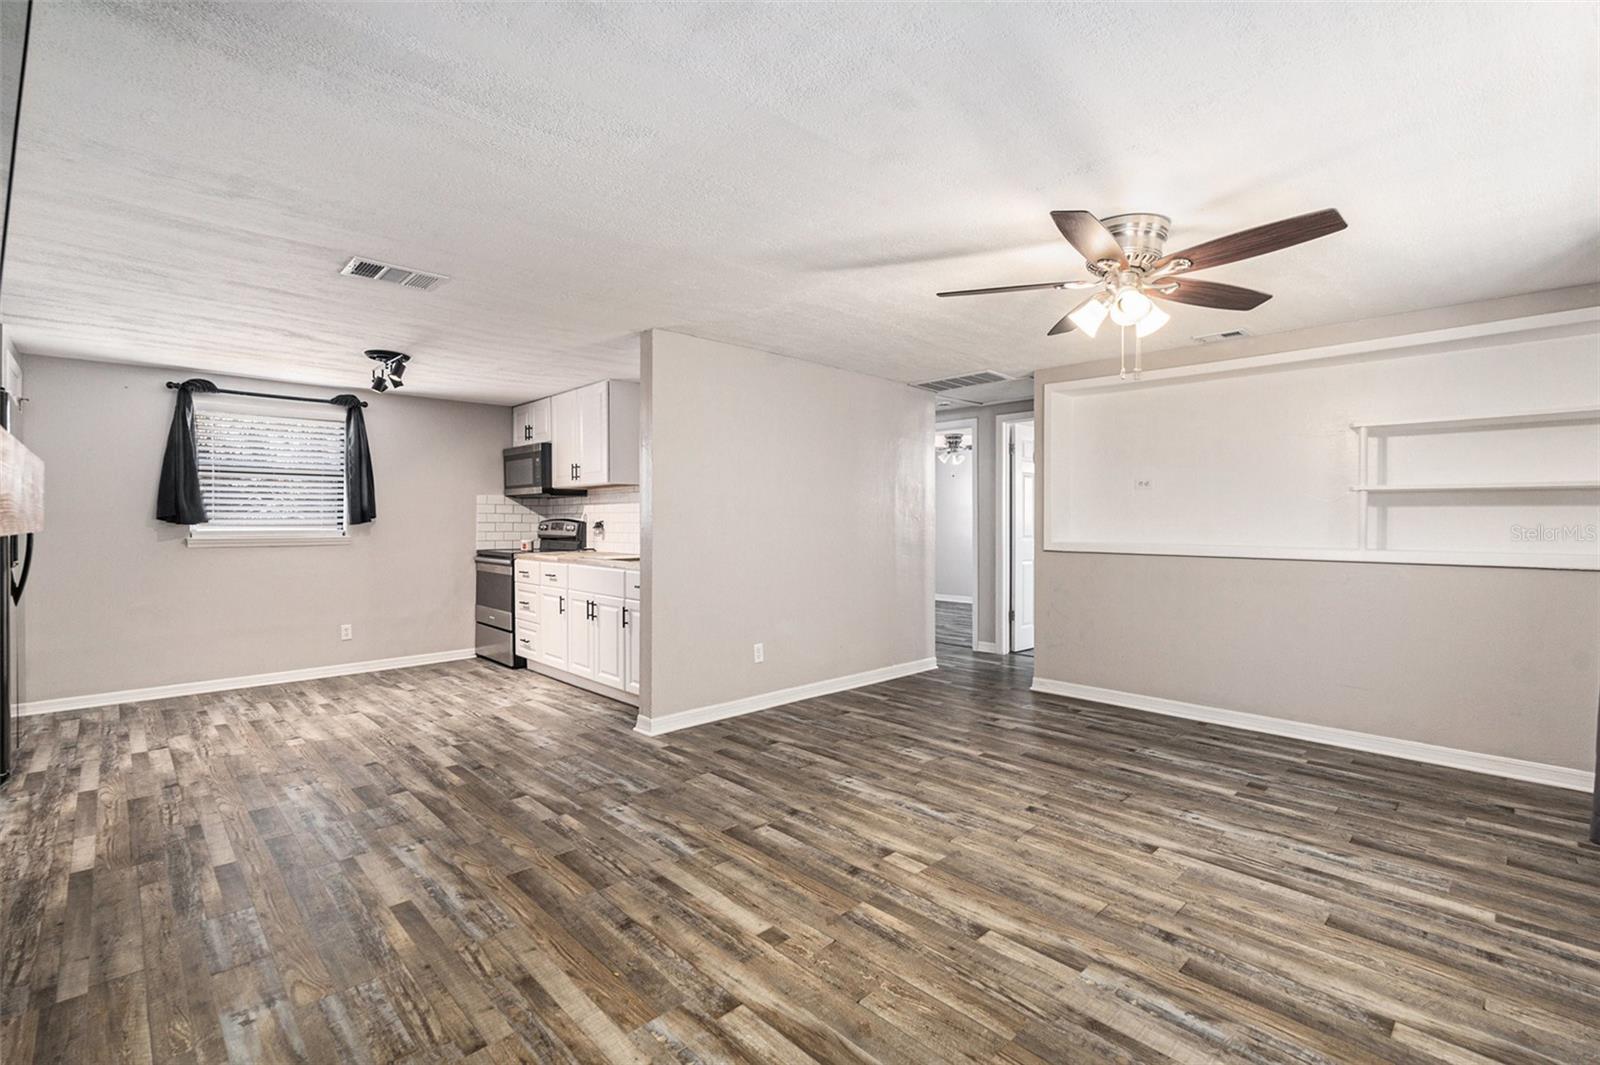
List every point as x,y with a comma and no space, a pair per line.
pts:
953,447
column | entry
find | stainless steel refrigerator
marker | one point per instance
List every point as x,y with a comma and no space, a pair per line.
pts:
16,555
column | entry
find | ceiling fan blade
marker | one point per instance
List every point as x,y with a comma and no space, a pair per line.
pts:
1084,232
1248,243
1210,294
1009,288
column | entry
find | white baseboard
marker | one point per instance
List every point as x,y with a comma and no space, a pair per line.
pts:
704,715
988,647
1412,750
222,684
965,600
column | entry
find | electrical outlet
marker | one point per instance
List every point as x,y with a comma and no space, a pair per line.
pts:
344,632
1140,482
761,652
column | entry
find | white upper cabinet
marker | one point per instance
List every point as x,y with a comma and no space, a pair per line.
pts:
594,432
530,423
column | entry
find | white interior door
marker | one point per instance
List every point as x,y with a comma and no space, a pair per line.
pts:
1022,536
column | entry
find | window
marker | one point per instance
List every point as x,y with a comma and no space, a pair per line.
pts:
269,478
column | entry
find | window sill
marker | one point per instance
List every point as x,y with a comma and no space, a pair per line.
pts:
260,540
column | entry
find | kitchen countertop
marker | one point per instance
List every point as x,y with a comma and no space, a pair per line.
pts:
587,558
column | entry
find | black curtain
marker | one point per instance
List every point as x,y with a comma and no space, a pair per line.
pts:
357,463
178,494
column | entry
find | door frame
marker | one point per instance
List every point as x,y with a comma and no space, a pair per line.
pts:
968,425
1002,526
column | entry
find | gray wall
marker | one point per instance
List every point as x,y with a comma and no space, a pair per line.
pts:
786,503
117,601
988,504
1499,661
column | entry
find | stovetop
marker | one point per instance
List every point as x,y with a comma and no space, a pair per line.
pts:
508,554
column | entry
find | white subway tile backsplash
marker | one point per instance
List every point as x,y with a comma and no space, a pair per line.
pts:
504,523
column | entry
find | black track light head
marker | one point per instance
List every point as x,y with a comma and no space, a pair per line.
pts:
392,367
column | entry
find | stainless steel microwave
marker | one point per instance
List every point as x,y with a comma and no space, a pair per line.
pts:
527,472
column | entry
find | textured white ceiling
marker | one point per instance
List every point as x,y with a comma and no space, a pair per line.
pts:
800,178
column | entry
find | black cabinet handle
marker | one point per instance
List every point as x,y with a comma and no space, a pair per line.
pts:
561,604
624,617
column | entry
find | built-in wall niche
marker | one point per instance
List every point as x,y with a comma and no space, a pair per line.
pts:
1482,455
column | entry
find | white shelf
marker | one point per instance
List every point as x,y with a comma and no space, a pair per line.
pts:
1507,486
1553,416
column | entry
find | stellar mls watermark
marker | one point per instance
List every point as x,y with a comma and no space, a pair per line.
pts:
1540,533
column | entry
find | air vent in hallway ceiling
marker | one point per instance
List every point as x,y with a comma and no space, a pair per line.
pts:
396,275
945,384
1226,334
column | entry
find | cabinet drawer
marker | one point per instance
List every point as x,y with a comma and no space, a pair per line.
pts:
596,580
526,600
528,620
526,569
631,582
552,575
526,645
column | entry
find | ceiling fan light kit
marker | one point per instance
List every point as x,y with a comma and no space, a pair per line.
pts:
1125,253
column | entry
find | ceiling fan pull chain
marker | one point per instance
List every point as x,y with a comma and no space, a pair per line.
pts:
1138,357
1122,343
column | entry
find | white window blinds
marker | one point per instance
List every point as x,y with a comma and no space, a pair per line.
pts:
270,474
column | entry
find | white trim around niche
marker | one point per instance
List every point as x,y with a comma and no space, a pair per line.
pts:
1412,750
958,599
704,715
1503,559
222,684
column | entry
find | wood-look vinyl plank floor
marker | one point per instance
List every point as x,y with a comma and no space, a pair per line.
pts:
952,624
462,863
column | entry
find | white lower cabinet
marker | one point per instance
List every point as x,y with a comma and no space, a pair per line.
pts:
630,647
594,638
584,620
553,627
582,647
607,630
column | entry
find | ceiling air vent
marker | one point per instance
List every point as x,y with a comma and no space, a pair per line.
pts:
1226,334
395,275
945,384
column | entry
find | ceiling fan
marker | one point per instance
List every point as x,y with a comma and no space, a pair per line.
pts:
1124,253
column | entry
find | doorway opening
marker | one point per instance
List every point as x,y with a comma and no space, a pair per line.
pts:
1015,539
955,507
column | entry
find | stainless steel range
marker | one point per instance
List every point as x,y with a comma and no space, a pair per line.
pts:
494,632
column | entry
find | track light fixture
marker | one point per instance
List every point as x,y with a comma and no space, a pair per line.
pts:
390,369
